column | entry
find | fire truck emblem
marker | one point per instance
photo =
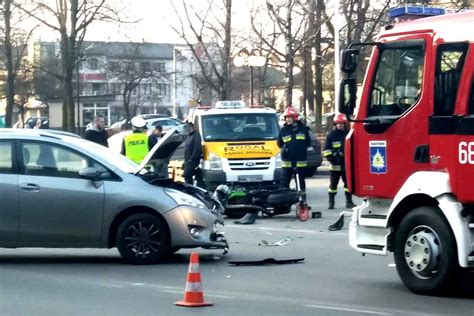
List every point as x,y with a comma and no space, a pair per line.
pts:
378,157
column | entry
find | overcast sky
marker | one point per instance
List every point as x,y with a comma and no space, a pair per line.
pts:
155,17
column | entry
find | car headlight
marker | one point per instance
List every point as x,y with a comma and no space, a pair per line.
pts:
184,199
278,161
214,162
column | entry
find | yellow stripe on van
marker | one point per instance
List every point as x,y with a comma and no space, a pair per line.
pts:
241,150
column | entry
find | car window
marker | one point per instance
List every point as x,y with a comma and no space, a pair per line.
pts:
51,160
6,157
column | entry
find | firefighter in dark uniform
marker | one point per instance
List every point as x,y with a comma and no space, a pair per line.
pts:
334,153
293,141
135,145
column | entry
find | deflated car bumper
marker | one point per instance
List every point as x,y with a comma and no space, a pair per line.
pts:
192,227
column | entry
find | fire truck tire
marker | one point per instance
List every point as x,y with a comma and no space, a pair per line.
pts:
425,252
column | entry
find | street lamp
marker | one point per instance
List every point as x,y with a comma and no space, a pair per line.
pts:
252,59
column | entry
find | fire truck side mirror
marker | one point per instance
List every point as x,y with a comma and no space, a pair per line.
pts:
349,59
347,96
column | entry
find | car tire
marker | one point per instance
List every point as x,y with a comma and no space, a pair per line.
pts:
283,198
425,252
143,239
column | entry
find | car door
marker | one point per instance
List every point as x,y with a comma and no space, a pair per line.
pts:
8,192
56,205
394,108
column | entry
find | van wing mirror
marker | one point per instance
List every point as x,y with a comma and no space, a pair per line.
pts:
349,59
347,96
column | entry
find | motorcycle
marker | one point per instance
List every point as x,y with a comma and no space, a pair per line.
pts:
238,201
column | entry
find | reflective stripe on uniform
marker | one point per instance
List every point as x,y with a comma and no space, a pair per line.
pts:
301,164
300,136
335,168
336,144
332,191
286,164
327,153
346,190
286,139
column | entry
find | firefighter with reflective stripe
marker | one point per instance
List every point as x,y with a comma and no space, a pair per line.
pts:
334,153
293,141
135,145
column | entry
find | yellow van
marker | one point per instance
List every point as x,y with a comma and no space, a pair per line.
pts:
239,145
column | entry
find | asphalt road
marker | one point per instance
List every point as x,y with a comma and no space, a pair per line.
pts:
333,280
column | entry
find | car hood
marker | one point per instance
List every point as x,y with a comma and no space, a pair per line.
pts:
165,147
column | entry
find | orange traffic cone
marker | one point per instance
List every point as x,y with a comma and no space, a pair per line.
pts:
193,295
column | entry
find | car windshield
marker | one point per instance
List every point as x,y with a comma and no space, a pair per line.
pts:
245,126
111,157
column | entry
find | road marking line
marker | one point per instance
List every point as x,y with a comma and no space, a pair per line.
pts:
344,309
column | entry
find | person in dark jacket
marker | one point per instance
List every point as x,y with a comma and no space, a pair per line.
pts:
293,141
160,165
192,157
334,153
95,131
155,136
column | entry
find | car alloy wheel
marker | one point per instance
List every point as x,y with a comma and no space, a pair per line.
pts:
143,239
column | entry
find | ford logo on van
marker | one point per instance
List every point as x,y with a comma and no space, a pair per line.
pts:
249,164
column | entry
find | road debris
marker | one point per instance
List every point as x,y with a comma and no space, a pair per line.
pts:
268,261
248,219
284,241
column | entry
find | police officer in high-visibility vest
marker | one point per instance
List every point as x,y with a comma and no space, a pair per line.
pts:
135,145
293,141
334,153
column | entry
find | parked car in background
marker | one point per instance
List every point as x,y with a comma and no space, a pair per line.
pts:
62,191
152,120
32,122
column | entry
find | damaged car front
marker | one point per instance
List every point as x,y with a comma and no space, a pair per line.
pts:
198,214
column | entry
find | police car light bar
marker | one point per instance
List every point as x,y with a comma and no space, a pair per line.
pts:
405,11
230,105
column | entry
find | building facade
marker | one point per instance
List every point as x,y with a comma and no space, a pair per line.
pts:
150,77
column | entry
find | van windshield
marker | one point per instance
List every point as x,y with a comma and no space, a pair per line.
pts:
242,126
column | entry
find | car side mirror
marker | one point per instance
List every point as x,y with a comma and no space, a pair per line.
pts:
349,60
89,173
347,96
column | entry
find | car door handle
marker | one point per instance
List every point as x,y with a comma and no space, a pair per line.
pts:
30,187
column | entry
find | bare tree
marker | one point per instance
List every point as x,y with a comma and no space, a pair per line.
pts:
15,43
71,20
208,35
288,18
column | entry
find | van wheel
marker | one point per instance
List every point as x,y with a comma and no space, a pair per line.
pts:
143,239
425,252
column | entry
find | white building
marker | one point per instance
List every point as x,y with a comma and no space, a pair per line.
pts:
164,73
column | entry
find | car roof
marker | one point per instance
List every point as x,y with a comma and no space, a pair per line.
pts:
234,111
22,132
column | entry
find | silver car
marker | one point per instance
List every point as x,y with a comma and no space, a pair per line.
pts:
61,191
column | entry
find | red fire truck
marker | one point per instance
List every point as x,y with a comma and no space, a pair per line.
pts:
410,152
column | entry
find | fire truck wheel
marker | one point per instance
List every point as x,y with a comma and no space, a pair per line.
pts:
425,252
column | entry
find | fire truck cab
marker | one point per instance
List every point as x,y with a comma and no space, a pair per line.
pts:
410,151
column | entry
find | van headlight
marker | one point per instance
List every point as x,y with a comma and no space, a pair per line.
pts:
215,162
184,199
278,161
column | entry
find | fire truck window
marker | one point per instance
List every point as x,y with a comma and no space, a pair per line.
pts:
398,81
449,67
